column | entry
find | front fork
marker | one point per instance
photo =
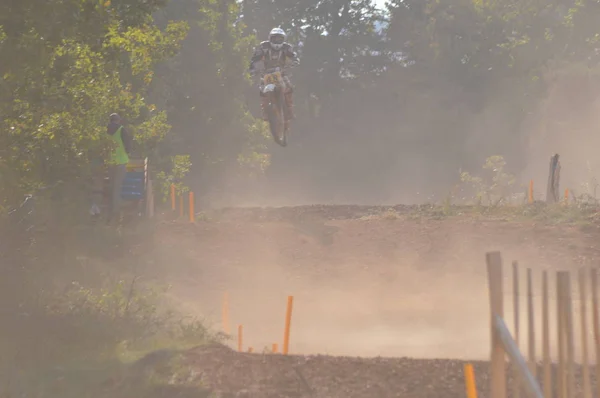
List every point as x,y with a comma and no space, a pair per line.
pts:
279,93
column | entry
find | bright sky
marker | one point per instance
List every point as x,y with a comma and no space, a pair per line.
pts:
380,3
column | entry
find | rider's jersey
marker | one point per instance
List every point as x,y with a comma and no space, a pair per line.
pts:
273,58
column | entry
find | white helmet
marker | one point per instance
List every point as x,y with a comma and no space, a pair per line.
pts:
277,38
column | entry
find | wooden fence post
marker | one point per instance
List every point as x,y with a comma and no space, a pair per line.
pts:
596,324
552,194
587,390
150,199
570,335
560,316
515,269
546,337
531,325
498,366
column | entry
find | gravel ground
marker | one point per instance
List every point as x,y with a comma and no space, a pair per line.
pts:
227,373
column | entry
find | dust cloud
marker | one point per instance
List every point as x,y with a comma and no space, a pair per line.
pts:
566,122
392,288
380,288
412,150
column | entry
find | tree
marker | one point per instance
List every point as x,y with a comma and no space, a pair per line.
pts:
68,65
203,90
444,85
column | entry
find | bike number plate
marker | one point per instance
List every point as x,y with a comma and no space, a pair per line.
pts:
272,78
269,88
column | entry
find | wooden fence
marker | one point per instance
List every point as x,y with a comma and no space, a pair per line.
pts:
561,379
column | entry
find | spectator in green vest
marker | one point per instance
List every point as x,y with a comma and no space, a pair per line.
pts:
118,161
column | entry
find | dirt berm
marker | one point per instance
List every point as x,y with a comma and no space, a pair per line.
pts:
368,282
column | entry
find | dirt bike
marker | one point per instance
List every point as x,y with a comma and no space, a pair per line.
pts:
273,87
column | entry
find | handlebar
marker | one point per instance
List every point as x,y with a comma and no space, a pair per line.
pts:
275,69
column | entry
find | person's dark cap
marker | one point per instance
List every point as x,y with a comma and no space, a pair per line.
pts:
115,117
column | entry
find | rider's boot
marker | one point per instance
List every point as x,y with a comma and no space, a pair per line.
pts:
289,102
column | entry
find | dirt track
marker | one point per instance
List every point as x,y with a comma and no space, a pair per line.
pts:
230,374
367,282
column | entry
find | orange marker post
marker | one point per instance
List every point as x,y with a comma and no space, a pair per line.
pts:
173,197
192,207
530,191
470,381
240,337
225,314
566,196
181,206
274,348
288,321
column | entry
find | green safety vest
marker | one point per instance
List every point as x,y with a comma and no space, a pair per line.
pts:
119,155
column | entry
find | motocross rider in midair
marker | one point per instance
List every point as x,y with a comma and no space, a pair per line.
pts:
273,53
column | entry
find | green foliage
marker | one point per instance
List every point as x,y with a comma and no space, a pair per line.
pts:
122,320
77,64
89,337
577,214
109,316
146,44
203,90
174,175
589,187
374,84
425,84
495,186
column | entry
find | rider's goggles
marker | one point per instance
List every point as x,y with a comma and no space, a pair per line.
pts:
277,39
